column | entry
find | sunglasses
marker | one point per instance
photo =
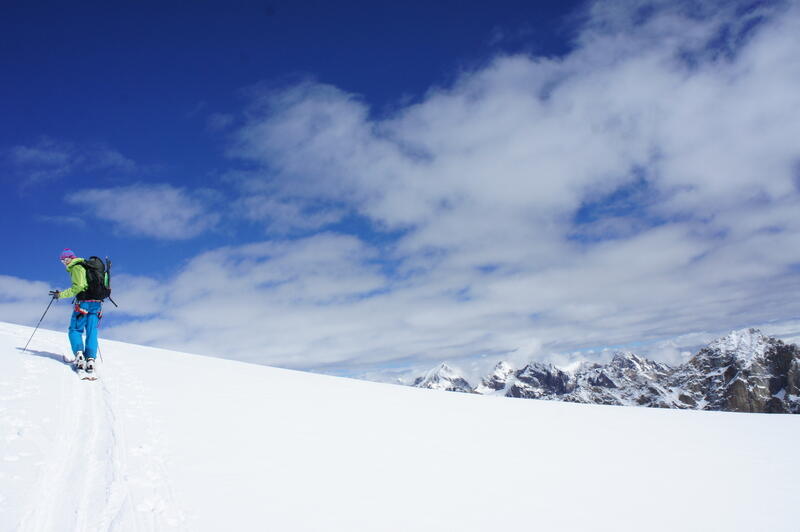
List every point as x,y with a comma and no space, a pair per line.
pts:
66,260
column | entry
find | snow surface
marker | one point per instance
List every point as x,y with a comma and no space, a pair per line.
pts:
170,441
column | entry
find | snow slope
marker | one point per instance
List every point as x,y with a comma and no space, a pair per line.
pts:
169,441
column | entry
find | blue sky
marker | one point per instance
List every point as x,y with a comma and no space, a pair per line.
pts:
145,82
352,187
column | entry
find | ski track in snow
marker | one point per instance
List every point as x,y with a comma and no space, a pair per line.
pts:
310,452
87,480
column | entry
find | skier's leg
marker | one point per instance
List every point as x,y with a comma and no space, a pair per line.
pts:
76,325
92,320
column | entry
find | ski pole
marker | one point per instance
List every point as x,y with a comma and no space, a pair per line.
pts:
37,325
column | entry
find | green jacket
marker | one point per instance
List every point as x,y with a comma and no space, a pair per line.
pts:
78,276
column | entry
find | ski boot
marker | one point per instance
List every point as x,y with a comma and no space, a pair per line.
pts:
80,361
90,368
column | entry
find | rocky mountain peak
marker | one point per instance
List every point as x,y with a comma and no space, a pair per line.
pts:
497,380
443,377
503,367
626,359
538,380
745,345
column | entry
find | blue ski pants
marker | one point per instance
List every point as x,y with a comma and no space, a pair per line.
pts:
85,317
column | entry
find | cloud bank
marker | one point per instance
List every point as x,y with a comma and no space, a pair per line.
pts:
641,187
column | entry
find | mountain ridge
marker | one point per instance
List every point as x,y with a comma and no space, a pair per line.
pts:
743,371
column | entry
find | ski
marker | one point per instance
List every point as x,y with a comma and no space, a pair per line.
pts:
85,368
84,376
91,370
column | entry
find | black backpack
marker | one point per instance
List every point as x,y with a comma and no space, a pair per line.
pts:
98,277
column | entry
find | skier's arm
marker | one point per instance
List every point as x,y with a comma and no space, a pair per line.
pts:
79,283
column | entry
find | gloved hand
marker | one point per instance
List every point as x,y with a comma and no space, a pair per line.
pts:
55,293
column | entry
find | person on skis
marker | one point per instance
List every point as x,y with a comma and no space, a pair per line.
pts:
85,316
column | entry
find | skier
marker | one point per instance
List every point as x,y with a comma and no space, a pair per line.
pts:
85,316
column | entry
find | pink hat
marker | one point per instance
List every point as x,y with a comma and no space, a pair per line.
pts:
66,254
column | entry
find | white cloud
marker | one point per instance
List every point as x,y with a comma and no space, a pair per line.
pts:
25,302
158,211
637,189
284,216
139,296
50,159
288,296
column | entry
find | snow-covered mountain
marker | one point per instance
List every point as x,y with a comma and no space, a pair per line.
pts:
172,441
744,371
627,379
497,380
443,377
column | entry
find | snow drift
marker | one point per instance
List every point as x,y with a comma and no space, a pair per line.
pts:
170,441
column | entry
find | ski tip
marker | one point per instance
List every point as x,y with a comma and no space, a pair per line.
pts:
86,376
